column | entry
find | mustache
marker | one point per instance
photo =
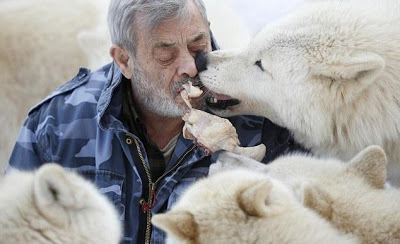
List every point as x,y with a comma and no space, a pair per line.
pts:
175,88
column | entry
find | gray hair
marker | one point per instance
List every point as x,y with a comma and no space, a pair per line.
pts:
123,14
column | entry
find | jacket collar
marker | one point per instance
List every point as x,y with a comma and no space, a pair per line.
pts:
109,107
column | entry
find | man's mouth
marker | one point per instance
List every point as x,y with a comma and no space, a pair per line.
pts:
214,101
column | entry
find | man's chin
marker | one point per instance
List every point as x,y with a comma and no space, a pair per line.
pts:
167,110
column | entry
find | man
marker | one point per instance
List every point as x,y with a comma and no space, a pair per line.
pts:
121,125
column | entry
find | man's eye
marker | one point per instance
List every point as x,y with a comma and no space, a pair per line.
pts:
165,56
165,61
259,64
195,50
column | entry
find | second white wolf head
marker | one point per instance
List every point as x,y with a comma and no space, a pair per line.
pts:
242,206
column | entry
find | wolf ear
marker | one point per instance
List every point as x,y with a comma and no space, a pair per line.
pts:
179,224
371,164
54,193
317,199
361,67
259,201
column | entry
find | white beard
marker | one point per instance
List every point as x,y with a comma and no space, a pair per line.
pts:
153,98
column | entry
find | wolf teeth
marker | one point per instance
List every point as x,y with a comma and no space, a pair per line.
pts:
212,100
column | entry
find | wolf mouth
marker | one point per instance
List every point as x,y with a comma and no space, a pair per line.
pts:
214,100
218,101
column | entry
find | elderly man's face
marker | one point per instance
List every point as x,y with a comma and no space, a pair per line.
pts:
166,60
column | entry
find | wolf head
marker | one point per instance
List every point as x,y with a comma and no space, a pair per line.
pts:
218,209
328,72
366,170
242,206
55,206
351,195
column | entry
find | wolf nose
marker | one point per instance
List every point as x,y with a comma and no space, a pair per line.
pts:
201,61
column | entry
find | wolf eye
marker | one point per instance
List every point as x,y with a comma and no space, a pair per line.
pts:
259,64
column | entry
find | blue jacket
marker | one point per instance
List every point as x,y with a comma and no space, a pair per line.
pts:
79,127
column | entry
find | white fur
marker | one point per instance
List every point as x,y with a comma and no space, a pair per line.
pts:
43,43
351,195
55,206
242,206
331,76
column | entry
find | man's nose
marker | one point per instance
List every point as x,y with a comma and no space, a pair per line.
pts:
201,61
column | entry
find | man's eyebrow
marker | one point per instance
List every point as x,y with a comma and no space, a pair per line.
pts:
199,37
164,44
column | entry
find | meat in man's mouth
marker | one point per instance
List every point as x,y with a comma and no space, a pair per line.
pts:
210,132
189,92
214,100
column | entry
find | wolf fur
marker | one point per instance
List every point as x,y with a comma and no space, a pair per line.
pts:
42,45
55,206
242,206
351,195
329,72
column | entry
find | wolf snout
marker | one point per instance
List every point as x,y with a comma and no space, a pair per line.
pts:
201,61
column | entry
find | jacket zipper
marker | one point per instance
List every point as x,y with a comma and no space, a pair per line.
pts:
147,206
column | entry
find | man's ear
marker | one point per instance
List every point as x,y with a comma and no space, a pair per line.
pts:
179,224
360,67
123,60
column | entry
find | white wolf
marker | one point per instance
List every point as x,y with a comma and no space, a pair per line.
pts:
242,206
349,195
42,44
329,72
55,206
